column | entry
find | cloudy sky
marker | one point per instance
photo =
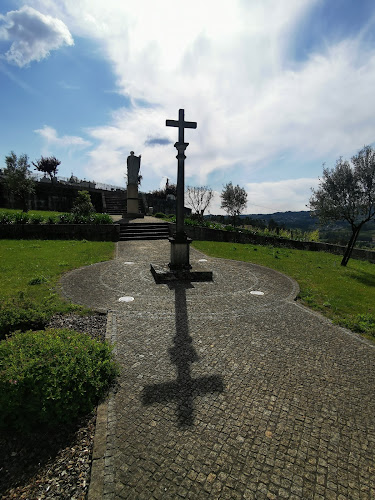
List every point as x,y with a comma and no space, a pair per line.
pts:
277,88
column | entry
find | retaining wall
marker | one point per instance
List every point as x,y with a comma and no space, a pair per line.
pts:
206,234
92,232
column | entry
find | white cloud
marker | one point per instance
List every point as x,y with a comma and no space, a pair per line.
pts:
33,35
270,197
51,138
228,64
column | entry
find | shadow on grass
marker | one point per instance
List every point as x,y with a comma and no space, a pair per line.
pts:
363,277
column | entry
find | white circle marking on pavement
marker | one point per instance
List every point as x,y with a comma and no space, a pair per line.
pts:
255,292
126,299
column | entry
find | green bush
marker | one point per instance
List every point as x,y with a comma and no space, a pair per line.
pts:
36,219
51,219
65,218
102,219
82,204
21,314
5,218
159,215
21,218
52,377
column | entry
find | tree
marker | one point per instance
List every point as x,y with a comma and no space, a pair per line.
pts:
233,200
199,199
17,178
82,204
47,165
347,193
169,189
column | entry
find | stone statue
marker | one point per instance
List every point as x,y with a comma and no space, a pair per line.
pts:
134,164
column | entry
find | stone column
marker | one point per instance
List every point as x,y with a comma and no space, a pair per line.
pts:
180,243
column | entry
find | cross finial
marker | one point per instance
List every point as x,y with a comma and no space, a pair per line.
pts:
181,124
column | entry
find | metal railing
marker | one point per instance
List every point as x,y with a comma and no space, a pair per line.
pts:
74,181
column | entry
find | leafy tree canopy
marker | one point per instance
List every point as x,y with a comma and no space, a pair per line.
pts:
233,200
48,165
347,193
17,177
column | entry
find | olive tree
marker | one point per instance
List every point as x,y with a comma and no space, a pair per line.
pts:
48,165
347,193
233,200
199,199
17,179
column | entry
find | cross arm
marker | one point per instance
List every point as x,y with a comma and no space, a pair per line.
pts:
175,123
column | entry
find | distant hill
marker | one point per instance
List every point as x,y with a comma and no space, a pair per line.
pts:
291,220
337,232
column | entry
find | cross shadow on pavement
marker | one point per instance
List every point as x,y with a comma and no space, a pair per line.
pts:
185,389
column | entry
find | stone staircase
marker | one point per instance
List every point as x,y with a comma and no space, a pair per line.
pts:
144,231
115,203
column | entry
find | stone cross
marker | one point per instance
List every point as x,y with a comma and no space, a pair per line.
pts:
180,242
181,145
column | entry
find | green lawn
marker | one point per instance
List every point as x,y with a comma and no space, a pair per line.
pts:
344,294
45,213
29,272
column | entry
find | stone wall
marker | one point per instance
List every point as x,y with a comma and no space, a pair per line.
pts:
92,232
57,197
206,234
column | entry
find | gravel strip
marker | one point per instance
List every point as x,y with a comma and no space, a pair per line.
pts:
52,465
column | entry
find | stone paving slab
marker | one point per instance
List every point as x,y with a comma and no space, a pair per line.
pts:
226,394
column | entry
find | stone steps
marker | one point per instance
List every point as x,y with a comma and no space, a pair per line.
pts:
115,205
144,231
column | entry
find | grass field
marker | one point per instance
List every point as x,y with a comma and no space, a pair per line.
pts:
45,213
344,294
30,269
29,272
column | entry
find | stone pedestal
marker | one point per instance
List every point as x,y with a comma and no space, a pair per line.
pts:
132,204
132,199
179,254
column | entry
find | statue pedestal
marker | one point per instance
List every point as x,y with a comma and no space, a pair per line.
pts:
132,203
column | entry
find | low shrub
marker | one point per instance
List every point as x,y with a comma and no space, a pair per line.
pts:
159,215
101,219
82,204
36,219
51,219
52,377
5,218
21,314
21,218
360,323
65,218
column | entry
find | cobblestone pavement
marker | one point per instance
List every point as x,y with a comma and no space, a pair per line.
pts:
228,394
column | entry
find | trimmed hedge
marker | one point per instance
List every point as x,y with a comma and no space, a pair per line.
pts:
66,218
51,378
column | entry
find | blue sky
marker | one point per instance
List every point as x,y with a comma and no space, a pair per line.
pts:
277,89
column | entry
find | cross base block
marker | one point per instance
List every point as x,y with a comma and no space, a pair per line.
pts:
180,247
163,274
